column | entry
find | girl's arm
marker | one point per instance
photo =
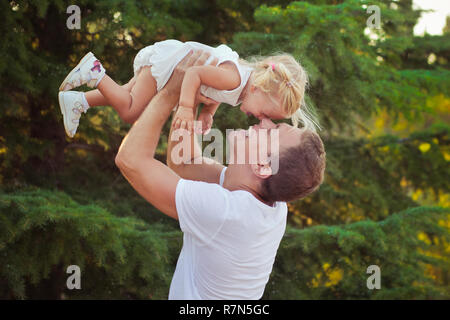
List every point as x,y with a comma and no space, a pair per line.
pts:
225,77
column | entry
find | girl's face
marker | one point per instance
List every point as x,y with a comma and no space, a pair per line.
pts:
261,105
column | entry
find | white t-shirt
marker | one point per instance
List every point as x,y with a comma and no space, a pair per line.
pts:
230,240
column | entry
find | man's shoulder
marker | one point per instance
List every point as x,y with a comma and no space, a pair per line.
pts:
202,188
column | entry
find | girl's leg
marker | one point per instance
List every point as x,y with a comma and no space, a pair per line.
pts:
95,98
129,104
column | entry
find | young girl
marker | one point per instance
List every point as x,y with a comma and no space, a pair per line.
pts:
271,87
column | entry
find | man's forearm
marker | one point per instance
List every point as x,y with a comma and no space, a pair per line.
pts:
142,140
185,158
189,143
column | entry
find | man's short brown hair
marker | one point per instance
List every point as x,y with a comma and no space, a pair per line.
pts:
301,170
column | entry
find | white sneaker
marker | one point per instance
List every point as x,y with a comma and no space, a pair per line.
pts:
71,104
89,71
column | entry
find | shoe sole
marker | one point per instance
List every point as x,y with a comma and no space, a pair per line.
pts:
62,107
83,60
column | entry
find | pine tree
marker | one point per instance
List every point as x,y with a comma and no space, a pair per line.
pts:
45,231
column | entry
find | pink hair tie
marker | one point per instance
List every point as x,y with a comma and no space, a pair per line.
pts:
273,66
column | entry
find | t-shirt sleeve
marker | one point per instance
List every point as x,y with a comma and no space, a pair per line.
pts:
201,208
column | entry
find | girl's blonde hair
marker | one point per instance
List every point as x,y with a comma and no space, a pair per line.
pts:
282,74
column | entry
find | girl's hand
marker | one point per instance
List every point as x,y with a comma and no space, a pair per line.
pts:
184,119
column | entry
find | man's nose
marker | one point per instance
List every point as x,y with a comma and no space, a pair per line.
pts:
266,124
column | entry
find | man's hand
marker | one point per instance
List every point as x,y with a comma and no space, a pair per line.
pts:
206,117
206,120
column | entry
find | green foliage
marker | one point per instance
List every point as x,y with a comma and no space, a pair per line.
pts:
349,72
42,232
365,176
330,262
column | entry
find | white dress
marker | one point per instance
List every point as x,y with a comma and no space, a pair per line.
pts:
165,55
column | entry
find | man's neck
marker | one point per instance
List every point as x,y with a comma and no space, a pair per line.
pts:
235,180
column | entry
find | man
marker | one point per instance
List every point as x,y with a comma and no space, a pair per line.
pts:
232,218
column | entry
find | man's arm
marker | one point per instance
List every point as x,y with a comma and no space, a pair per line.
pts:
191,164
150,178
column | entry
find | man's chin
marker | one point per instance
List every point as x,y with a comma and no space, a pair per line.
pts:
236,135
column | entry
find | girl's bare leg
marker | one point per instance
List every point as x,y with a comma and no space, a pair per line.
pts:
95,98
129,100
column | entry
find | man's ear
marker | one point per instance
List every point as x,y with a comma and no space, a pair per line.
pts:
262,171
